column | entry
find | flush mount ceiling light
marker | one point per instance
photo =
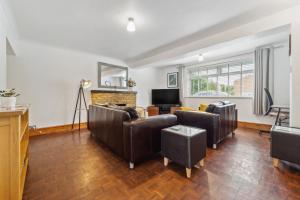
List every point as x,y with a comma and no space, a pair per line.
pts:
200,57
131,25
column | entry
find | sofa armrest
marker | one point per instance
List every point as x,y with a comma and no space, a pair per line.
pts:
142,137
285,145
204,120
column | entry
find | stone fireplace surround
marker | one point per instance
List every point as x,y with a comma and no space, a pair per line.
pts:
114,97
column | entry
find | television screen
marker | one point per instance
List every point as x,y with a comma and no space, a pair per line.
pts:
165,96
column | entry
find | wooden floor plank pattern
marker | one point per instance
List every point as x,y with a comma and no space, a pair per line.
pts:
75,166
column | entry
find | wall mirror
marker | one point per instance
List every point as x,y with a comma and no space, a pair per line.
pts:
112,76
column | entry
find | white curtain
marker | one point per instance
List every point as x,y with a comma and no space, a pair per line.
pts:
264,78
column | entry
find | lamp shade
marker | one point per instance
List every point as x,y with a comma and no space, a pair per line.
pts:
85,83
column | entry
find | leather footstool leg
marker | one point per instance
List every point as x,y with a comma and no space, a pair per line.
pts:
201,163
131,165
275,162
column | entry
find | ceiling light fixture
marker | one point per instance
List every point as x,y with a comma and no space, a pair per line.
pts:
131,25
200,57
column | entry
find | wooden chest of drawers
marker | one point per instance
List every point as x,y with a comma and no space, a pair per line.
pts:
14,141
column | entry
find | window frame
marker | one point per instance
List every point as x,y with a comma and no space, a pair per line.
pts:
219,66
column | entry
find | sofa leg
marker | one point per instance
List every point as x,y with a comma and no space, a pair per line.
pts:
166,161
201,163
188,172
214,146
275,162
131,165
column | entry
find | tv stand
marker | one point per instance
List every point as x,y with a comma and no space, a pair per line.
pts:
166,108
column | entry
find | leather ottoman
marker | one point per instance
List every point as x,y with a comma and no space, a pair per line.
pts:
184,145
285,144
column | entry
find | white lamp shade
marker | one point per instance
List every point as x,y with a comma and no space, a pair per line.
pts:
85,83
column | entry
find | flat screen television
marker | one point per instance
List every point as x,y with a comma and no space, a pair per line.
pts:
165,96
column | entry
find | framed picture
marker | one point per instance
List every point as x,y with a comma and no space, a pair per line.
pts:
173,80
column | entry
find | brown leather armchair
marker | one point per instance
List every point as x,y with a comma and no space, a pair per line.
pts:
133,140
218,124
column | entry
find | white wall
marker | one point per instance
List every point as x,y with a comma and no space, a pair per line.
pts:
281,76
3,67
146,79
7,32
295,75
48,79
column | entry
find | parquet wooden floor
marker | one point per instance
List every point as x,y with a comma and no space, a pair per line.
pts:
74,166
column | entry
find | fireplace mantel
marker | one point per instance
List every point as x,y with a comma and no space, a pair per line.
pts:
114,97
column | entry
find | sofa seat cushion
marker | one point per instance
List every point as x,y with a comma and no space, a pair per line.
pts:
187,109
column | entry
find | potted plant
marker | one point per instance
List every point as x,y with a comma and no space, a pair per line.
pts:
131,83
8,98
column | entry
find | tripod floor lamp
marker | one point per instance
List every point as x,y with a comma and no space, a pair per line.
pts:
84,84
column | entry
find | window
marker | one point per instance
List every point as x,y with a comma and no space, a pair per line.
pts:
234,79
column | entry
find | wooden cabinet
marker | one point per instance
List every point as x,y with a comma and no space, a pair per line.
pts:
173,109
152,111
14,141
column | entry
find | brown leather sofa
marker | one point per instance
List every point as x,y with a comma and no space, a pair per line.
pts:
218,124
133,140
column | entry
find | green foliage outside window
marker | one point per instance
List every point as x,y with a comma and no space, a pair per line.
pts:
203,85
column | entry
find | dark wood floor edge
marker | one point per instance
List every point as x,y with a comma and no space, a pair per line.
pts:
68,127
56,129
255,126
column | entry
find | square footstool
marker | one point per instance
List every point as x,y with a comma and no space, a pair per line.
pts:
285,144
184,145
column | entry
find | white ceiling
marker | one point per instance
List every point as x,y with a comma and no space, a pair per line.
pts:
235,47
99,26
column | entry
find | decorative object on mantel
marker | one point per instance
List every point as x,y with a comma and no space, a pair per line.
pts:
8,98
172,80
84,84
131,83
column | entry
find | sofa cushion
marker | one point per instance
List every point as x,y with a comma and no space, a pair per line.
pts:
132,113
186,109
210,108
203,107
